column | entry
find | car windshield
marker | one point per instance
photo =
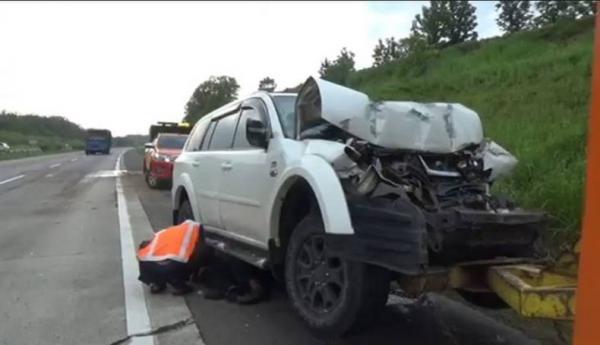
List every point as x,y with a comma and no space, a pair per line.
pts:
286,113
171,141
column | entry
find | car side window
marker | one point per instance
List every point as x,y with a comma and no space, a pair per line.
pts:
196,137
207,136
223,134
252,109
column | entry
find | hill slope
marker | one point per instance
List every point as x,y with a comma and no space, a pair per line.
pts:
48,133
531,90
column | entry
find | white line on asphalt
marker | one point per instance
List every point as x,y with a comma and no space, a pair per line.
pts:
12,179
55,165
49,175
136,310
74,160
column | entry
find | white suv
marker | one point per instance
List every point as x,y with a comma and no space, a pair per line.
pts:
338,195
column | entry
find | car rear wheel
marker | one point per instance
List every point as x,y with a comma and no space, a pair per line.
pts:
151,180
206,254
331,294
185,212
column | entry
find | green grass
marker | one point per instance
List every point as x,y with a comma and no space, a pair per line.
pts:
532,92
41,145
45,143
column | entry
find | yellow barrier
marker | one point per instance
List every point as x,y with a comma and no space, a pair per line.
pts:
533,291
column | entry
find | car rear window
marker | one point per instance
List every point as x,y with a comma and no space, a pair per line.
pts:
222,137
207,136
171,141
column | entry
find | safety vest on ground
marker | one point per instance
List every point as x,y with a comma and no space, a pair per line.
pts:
175,243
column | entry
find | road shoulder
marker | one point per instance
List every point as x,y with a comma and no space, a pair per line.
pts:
171,320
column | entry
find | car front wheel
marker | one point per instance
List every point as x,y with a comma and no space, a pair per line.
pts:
333,295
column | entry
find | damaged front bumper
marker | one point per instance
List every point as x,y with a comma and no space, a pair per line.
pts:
389,234
401,237
461,234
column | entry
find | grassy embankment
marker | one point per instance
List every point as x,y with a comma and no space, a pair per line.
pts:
32,135
532,92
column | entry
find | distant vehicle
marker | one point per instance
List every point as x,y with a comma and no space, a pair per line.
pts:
98,140
4,146
169,127
159,157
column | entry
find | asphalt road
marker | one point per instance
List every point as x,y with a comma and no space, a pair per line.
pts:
62,272
57,267
68,227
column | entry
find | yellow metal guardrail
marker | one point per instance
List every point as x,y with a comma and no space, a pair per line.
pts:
536,290
533,291
531,287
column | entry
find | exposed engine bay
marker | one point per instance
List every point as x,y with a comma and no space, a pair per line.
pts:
417,173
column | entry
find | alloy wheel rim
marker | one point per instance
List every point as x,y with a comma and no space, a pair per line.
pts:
320,278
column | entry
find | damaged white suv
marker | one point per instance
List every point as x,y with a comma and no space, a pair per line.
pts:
339,195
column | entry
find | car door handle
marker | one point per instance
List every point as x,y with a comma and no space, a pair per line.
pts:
226,166
196,163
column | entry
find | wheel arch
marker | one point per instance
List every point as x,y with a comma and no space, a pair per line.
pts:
315,182
183,189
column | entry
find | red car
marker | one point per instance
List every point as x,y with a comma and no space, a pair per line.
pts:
159,157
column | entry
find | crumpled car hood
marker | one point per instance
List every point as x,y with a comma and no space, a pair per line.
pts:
423,127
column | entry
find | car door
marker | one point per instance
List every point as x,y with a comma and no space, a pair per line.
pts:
204,166
210,159
246,181
195,163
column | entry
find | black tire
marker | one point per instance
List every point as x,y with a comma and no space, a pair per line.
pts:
185,212
151,181
351,293
207,253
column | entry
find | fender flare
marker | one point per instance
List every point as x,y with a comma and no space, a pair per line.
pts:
326,187
184,182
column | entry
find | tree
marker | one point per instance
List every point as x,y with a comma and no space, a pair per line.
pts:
395,50
462,23
514,15
267,84
446,23
294,89
586,7
386,51
431,23
413,46
552,11
338,70
208,96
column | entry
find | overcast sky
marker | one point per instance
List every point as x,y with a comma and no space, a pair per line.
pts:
126,65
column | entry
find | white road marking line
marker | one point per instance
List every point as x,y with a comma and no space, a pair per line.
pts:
12,179
136,310
73,160
55,165
49,175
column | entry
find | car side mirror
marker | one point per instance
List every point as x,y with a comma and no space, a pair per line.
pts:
256,133
148,145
